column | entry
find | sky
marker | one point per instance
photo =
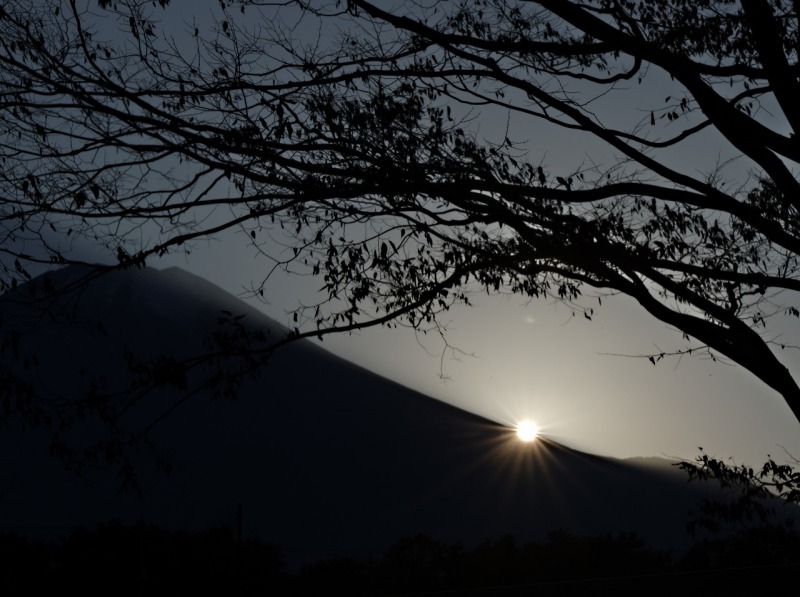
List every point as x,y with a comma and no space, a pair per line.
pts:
580,380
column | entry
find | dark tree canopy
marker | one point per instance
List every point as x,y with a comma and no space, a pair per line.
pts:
345,138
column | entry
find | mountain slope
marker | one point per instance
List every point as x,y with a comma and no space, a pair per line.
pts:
325,457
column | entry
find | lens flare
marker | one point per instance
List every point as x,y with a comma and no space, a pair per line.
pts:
527,430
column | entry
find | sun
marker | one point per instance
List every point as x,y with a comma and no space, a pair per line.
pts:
527,430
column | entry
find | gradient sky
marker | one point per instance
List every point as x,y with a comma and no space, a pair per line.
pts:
534,359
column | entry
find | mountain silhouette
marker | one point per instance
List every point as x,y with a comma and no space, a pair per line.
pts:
324,457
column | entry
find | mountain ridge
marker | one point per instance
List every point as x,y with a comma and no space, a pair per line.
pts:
325,456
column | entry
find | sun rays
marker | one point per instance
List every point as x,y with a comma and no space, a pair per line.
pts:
527,430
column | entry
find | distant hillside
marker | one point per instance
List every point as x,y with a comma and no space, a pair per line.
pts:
325,457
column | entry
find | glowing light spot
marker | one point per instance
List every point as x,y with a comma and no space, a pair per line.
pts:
527,431
529,319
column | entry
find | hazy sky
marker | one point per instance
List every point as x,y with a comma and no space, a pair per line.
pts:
534,359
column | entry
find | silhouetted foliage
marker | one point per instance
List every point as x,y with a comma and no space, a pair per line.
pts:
566,557
751,526
345,140
619,564
144,559
752,496
341,576
417,563
767,545
22,563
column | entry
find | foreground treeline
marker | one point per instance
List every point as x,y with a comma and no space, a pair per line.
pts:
114,559
148,560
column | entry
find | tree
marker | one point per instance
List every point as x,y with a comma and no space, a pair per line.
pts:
754,492
353,154
755,515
